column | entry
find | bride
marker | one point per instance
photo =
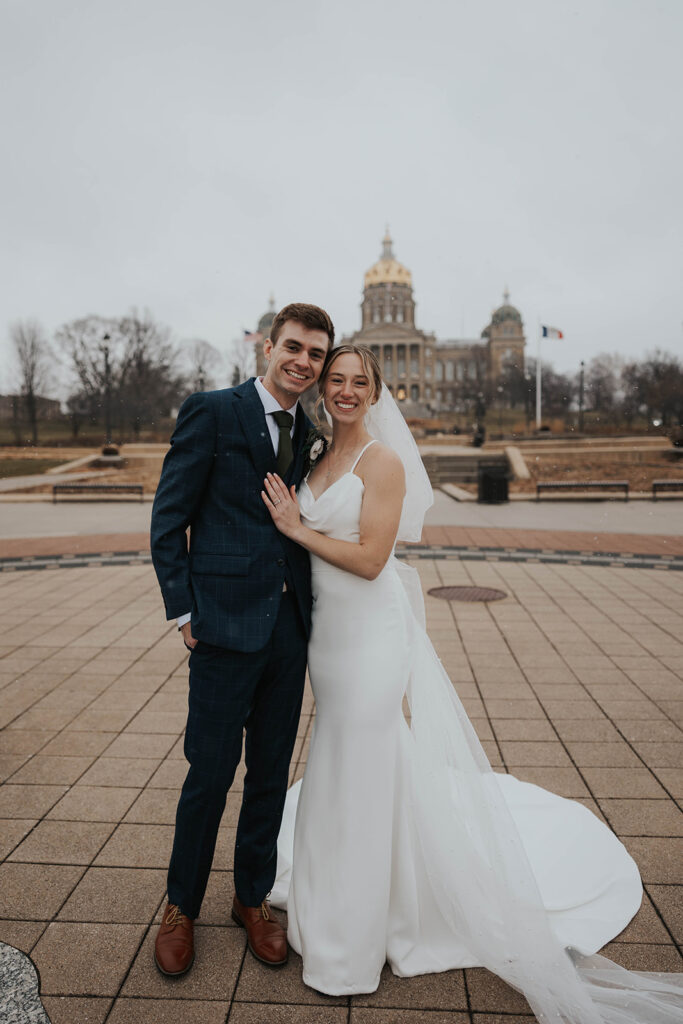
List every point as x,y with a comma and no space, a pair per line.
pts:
401,843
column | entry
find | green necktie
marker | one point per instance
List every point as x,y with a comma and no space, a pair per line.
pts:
285,452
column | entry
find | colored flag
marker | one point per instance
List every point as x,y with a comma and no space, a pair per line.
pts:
552,332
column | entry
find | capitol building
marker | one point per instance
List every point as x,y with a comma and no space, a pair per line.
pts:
428,375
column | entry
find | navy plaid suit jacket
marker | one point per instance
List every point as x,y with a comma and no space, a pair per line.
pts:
232,575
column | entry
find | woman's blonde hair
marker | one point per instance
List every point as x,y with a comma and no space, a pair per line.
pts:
370,367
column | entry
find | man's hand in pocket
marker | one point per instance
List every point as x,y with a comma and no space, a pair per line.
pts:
188,639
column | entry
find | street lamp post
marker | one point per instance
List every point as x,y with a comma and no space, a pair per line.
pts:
499,389
107,392
479,435
581,398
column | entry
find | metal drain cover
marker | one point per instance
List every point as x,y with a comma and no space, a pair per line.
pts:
467,593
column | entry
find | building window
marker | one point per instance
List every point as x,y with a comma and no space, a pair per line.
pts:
401,393
414,361
428,392
388,361
401,359
460,370
439,371
428,371
450,371
399,316
414,393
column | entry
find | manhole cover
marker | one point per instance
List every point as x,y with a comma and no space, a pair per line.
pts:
467,593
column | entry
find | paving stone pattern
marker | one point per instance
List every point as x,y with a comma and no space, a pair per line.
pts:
573,681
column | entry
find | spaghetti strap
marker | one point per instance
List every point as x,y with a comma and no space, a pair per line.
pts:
361,454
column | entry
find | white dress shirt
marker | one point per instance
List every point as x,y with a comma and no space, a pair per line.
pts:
270,404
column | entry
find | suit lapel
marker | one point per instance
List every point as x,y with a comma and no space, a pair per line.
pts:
252,419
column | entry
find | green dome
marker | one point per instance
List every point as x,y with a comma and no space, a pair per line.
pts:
266,322
506,312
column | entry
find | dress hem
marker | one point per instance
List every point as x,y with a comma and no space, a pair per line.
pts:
348,991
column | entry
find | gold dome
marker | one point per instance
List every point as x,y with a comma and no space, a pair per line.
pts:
388,270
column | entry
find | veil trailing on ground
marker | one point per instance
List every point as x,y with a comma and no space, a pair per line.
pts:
478,868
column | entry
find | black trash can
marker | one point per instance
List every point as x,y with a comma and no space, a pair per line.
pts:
493,485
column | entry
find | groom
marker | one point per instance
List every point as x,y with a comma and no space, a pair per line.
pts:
241,595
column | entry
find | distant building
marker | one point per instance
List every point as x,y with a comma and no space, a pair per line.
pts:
14,406
425,373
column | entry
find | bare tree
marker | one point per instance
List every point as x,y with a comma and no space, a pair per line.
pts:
557,389
126,369
603,380
637,398
150,383
94,348
205,364
16,419
32,352
242,357
661,377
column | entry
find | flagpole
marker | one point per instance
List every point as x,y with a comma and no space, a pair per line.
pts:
538,380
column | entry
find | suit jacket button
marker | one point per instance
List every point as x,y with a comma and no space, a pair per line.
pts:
280,561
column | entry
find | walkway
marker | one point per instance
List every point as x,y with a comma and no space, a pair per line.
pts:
572,681
39,518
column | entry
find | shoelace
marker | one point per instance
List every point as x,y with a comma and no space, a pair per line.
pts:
264,911
174,916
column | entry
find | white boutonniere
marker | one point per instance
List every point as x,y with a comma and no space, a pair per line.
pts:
315,447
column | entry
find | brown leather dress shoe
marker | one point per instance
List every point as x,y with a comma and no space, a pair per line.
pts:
266,937
174,946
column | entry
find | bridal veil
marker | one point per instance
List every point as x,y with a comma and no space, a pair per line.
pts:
478,868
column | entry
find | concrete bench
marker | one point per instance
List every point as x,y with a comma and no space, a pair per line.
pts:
666,485
97,489
582,485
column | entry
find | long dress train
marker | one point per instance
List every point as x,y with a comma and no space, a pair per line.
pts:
401,844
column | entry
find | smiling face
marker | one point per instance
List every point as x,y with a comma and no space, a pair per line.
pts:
295,361
349,391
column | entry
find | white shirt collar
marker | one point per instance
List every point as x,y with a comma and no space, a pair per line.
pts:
270,402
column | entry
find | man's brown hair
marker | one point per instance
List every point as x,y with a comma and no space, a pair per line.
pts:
313,317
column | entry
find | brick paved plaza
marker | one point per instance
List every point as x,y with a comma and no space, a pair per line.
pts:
572,681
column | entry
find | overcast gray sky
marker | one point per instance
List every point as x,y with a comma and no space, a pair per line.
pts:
190,157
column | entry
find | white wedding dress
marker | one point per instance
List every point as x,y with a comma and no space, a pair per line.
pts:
401,844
